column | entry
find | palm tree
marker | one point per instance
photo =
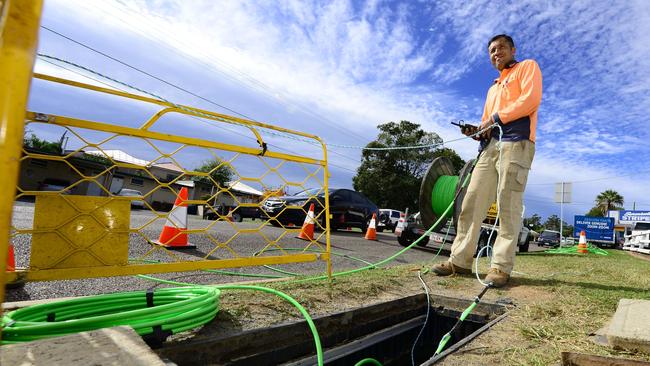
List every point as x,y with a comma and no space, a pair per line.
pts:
609,200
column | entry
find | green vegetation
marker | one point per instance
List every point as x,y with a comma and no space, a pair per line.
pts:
47,147
391,178
219,171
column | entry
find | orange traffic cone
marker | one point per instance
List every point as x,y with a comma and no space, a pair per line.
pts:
173,235
11,259
582,243
307,231
371,233
229,216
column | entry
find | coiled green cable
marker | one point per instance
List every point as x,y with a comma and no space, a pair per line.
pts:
443,193
303,311
172,309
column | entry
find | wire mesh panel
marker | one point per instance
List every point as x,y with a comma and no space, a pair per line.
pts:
181,189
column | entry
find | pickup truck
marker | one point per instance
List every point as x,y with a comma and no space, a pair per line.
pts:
413,229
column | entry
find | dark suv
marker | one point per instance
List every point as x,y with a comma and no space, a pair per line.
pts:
549,238
348,208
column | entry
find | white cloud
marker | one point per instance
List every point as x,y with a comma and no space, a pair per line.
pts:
354,65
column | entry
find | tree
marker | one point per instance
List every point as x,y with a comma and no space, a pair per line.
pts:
595,212
391,178
222,174
553,223
609,200
35,143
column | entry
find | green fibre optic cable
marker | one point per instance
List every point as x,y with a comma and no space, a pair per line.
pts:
447,337
168,310
303,311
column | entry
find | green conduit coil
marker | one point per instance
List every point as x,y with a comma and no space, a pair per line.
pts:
574,250
170,309
368,361
443,194
303,311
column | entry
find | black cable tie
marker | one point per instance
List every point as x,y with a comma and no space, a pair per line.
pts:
150,298
263,146
157,337
50,317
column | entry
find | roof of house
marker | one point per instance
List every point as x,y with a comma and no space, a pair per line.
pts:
243,188
119,155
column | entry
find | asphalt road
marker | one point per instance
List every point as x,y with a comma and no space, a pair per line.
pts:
219,241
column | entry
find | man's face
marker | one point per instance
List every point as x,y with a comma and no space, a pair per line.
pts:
501,53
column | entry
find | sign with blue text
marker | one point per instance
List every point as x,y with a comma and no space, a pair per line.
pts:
596,228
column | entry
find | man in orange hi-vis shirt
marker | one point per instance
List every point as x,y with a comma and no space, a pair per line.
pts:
502,168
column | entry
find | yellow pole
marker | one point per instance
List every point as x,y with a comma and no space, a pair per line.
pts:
20,21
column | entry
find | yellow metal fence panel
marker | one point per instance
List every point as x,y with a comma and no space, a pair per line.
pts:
79,231
19,22
100,198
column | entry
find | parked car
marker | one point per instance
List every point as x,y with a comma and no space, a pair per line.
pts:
549,238
238,213
388,219
54,185
348,208
132,193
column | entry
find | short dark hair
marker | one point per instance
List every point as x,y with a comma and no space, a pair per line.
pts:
507,38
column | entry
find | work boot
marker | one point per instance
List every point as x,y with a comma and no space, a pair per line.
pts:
497,277
448,269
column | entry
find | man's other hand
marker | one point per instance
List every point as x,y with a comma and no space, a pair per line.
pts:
487,124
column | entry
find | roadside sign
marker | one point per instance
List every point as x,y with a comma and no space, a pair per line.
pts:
563,192
596,228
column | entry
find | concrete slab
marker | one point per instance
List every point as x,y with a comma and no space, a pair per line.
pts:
103,347
630,326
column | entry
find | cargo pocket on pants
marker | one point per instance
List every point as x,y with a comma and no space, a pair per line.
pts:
517,177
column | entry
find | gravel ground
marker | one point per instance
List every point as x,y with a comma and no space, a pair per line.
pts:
244,244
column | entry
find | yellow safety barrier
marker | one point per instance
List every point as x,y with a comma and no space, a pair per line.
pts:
19,22
98,208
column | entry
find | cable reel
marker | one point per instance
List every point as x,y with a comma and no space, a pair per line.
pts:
438,188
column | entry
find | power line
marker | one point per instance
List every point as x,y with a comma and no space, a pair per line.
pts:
261,86
165,81
592,180
210,123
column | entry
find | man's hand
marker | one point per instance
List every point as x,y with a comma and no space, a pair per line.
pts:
469,130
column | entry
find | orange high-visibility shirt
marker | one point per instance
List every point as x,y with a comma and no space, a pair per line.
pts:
513,101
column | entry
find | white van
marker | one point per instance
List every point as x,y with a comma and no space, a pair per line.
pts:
388,219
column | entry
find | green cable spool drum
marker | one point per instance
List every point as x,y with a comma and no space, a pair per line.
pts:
438,188
440,167
443,193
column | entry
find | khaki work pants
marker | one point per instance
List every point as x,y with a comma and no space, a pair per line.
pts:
513,167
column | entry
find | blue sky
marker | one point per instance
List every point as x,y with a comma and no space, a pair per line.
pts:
338,68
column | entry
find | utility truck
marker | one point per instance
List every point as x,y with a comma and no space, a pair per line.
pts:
639,239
